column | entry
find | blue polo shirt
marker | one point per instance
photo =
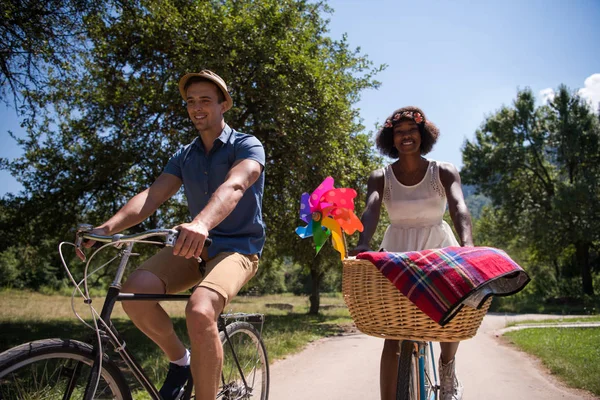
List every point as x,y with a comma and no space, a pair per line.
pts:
243,230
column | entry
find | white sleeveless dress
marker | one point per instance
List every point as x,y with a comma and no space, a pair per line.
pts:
416,213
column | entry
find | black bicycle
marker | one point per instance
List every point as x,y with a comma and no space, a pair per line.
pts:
71,369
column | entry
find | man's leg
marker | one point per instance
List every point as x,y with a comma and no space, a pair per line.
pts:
225,275
163,273
202,312
149,316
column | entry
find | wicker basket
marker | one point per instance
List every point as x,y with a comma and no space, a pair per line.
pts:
379,309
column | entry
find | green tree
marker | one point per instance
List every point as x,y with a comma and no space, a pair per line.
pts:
39,37
540,167
105,133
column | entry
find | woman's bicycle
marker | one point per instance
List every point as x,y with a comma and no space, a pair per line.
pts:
417,378
71,369
379,309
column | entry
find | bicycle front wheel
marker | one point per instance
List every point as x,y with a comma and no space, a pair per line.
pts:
245,373
415,383
56,369
407,383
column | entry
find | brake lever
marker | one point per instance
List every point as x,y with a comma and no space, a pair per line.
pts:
81,228
171,239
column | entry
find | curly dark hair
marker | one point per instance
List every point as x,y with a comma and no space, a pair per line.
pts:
385,137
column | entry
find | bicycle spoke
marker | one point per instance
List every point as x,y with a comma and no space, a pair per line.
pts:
54,378
243,380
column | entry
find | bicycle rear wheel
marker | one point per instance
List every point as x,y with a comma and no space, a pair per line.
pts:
245,346
56,369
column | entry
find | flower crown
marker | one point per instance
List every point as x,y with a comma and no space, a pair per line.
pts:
414,115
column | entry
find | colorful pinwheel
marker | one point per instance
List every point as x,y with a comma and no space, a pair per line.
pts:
328,211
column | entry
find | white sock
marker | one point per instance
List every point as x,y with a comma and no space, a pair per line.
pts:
183,361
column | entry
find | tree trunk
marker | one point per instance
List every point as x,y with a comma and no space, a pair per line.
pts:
557,273
582,254
316,276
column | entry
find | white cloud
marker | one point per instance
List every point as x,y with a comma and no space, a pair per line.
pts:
547,95
591,91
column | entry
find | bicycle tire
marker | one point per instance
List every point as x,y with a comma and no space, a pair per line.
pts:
406,388
35,370
252,356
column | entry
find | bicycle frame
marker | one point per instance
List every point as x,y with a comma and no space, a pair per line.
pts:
114,338
110,334
119,344
422,350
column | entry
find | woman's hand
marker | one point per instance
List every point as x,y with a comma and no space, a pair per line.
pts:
359,249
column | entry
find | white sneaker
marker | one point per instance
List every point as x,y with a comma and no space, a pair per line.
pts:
450,386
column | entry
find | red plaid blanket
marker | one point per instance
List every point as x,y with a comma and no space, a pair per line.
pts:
440,281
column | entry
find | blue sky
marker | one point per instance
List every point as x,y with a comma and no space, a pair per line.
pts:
457,60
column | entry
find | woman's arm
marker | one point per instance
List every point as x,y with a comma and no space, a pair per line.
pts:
370,216
456,202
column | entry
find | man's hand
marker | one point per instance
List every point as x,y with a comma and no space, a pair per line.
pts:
190,241
89,243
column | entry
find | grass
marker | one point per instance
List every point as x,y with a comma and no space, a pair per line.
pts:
17,305
28,316
573,354
557,321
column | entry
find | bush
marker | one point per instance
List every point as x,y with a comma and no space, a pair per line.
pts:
9,267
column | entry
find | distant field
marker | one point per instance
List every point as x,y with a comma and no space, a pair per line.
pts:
557,321
32,306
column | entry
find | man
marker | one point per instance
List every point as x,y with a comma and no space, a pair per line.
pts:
222,174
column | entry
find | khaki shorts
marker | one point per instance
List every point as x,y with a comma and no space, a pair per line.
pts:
226,273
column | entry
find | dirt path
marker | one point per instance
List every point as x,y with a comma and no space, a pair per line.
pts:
347,368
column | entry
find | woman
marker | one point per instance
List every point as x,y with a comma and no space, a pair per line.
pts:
415,192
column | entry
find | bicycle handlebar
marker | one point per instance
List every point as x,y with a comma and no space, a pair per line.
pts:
83,232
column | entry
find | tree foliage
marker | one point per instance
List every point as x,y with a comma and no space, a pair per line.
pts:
540,166
39,38
105,131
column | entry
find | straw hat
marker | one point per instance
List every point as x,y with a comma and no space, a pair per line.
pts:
211,76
